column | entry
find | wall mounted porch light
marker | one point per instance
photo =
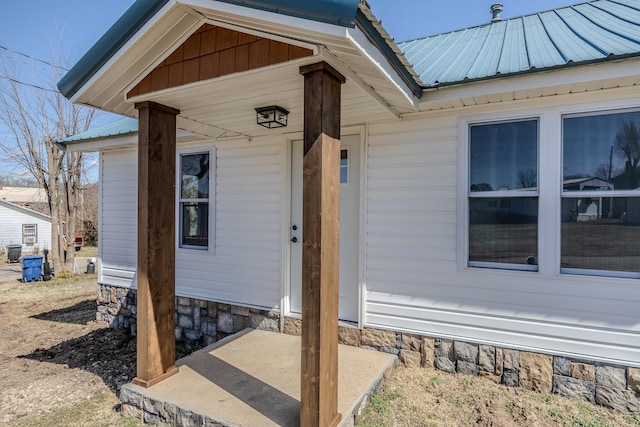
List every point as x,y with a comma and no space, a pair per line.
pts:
272,116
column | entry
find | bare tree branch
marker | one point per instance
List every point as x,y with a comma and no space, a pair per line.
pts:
36,121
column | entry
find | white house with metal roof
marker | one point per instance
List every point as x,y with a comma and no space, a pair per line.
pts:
455,148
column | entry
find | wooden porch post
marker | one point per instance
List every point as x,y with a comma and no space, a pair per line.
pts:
320,246
156,345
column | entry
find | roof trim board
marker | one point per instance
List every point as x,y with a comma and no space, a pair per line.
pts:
26,211
337,12
377,40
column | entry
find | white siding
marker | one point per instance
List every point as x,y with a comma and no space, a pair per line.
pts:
118,217
414,281
243,263
12,218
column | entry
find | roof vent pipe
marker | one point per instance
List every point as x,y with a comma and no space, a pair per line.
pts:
495,10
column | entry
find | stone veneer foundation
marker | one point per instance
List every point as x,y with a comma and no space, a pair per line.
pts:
615,387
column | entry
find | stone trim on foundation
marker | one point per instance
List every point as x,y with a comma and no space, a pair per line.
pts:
197,321
614,387
205,322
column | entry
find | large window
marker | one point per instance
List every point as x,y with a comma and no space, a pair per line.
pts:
503,195
194,202
600,211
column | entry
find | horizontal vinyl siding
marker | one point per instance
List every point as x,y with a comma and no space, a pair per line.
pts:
11,221
119,220
243,264
413,282
244,267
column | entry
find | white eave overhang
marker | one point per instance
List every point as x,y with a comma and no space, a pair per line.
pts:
350,50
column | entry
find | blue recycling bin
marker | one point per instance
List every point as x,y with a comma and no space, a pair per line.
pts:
31,268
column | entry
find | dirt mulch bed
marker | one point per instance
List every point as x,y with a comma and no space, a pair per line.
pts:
55,356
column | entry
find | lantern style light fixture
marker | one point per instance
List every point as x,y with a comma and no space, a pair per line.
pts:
272,117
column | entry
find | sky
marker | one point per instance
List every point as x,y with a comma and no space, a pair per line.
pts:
43,29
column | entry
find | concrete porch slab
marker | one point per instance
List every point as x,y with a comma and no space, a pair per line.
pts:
252,379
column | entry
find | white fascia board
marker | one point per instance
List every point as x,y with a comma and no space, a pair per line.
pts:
133,40
104,144
369,50
277,19
116,142
543,79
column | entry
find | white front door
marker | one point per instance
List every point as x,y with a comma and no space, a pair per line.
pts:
349,227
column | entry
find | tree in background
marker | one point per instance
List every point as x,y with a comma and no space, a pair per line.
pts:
89,213
37,117
627,146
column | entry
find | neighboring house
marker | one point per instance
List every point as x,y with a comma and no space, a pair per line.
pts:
22,226
456,223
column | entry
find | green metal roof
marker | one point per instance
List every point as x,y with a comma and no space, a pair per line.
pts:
584,33
120,127
337,12
589,32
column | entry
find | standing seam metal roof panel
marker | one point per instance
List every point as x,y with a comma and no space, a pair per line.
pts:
492,49
621,8
514,56
588,32
618,30
565,38
542,52
431,49
619,18
467,48
603,40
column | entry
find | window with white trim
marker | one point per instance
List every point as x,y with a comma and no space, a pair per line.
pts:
600,201
29,234
195,201
503,195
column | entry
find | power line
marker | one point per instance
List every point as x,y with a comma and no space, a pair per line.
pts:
33,58
28,84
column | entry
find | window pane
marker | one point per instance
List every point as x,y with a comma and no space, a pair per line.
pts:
601,233
344,166
195,176
504,230
195,224
504,156
601,152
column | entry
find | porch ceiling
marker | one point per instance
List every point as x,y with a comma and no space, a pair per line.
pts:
225,107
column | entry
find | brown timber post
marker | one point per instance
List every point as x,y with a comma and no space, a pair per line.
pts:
156,345
320,246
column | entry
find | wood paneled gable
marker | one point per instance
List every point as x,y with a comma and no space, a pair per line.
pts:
212,52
